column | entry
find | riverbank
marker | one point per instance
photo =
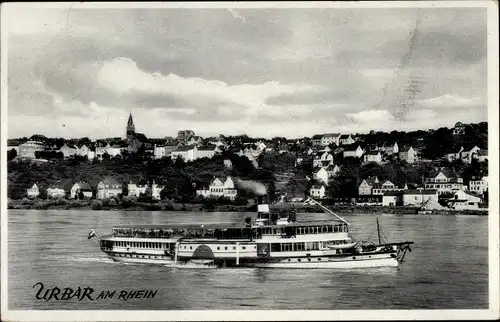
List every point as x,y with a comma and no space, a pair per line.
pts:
112,204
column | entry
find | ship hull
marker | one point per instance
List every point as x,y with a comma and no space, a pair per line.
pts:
138,259
337,264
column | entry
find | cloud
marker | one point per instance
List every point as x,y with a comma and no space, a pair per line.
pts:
267,72
371,117
452,102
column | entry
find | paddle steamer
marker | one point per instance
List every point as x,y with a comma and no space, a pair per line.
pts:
272,240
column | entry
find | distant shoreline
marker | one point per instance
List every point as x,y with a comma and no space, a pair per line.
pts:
93,205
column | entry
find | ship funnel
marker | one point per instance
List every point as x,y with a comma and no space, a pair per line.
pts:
263,215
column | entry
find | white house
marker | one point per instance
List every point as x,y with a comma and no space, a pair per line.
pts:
365,187
467,155
390,148
29,149
156,190
444,181
33,192
322,159
56,191
83,187
373,156
346,139
188,153
392,198
207,151
68,150
321,175
357,153
329,138
463,200
219,187
408,154
109,187
454,155
159,151
135,190
427,198
380,189
317,191
479,186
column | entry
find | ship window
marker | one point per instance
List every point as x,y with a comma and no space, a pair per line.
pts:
309,259
234,247
354,258
276,247
218,248
190,247
299,259
243,247
319,259
289,259
225,248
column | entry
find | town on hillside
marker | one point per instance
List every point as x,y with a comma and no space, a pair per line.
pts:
446,167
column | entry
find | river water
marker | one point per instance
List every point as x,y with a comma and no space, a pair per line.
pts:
447,268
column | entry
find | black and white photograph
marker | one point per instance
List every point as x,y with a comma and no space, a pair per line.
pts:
249,161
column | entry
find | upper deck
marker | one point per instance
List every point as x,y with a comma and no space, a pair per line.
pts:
229,230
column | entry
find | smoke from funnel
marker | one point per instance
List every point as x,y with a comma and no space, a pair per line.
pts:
255,187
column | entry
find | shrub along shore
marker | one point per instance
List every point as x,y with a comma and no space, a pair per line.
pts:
168,205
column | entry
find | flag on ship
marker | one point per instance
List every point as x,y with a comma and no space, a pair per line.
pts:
92,234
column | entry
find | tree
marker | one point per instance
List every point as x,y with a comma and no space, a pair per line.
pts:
11,154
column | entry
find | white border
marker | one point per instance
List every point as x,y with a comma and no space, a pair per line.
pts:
493,219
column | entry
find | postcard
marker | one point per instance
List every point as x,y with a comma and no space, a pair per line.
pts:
193,161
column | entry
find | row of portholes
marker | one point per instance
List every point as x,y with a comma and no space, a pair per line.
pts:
300,260
138,256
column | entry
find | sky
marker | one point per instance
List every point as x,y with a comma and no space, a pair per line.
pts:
75,72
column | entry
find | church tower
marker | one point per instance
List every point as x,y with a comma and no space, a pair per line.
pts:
130,128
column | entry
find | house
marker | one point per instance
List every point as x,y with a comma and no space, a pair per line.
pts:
392,198
108,187
316,139
184,136
459,129
33,192
170,146
346,139
408,154
29,149
56,191
83,150
321,174
322,159
156,190
159,151
219,187
478,186
421,198
380,189
228,164
317,191
390,148
194,140
356,153
365,187
68,150
330,138
453,154
373,156
481,155
467,154
135,190
444,180
463,200
207,151
332,170
188,153
80,187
